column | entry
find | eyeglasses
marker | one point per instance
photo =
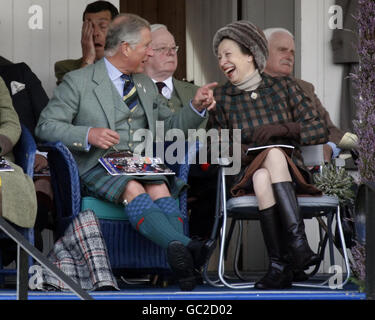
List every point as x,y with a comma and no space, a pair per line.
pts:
166,50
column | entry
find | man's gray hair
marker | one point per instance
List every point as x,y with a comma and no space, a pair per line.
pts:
125,27
270,31
157,26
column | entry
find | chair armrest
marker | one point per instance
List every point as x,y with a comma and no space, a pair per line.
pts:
65,181
312,155
24,151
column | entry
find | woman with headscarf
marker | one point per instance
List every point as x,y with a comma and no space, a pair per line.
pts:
268,111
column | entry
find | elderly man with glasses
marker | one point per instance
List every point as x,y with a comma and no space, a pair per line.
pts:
163,64
161,68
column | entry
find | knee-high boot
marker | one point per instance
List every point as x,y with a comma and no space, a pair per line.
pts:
279,274
292,221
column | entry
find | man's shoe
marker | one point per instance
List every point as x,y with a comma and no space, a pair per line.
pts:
182,265
201,250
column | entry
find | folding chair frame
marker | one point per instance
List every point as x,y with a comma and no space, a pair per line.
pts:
222,213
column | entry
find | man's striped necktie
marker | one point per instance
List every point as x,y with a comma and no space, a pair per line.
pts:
130,95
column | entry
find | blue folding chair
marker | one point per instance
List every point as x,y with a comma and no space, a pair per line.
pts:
24,152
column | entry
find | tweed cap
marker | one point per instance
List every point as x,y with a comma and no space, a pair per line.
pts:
248,35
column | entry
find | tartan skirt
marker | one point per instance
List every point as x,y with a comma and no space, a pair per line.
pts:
98,183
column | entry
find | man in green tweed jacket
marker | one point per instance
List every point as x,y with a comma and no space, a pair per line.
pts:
161,68
18,200
93,113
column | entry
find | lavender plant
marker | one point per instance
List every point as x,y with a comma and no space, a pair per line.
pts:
364,126
364,81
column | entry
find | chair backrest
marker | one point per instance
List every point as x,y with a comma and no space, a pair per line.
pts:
65,183
24,151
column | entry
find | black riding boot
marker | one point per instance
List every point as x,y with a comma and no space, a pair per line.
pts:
292,220
279,274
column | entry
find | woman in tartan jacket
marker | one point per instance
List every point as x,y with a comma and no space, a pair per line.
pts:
268,111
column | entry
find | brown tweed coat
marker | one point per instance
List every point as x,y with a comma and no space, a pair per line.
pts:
334,133
275,101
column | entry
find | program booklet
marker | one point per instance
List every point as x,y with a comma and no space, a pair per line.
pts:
288,148
4,165
126,163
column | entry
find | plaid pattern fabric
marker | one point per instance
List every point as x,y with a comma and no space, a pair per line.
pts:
275,101
82,255
98,183
130,95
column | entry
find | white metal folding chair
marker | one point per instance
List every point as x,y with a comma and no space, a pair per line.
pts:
246,208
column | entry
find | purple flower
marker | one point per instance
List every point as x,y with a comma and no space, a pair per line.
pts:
364,81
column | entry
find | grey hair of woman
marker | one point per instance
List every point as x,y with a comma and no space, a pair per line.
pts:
124,28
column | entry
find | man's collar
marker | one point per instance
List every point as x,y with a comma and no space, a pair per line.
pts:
168,82
113,72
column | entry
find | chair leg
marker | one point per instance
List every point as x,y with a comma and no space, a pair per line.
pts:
326,284
330,237
221,214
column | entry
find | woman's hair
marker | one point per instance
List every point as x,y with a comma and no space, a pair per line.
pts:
124,28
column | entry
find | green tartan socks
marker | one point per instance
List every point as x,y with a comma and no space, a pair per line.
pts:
170,208
147,218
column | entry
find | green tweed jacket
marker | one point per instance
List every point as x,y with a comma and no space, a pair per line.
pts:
18,198
276,100
182,93
87,98
64,66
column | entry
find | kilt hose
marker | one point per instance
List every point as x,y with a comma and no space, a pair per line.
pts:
159,221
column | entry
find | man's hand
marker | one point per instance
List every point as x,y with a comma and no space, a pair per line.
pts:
87,43
40,163
204,98
103,138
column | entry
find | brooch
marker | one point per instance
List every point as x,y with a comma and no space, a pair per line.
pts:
254,96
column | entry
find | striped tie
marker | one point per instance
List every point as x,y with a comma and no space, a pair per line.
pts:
130,95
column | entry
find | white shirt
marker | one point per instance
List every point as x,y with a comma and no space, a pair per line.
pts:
115,76
168,89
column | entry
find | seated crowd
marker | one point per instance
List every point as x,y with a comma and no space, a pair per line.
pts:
125,81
